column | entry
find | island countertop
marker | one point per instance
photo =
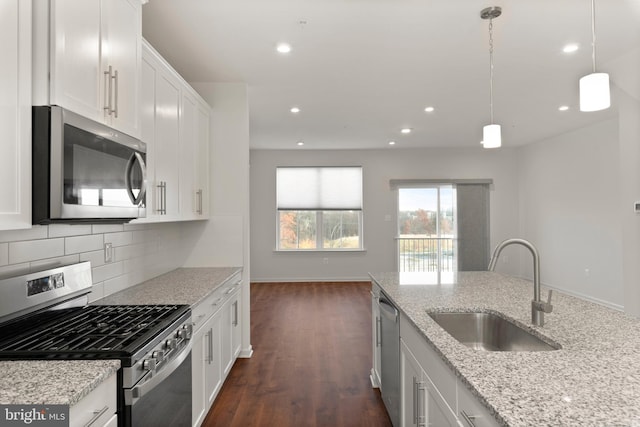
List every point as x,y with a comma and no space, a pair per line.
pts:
593,380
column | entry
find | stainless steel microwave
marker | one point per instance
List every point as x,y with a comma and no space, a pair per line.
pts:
84,171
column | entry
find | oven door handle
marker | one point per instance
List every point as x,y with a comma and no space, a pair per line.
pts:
127,177
144,388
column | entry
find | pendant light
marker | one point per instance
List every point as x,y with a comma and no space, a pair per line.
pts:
594,87
491,133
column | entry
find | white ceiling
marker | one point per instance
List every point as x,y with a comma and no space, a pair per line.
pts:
360,70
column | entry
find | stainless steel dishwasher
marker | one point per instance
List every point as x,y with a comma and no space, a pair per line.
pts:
390,358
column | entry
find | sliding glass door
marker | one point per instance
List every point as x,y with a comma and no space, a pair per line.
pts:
427,229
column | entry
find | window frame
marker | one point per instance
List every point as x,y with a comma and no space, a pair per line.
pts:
319,218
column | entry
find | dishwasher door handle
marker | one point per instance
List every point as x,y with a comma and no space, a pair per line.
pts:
387,309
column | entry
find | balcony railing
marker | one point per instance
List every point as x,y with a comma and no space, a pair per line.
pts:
426,254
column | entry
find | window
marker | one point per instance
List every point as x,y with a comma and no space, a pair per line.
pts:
319,208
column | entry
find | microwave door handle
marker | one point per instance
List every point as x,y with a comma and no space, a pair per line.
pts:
127,177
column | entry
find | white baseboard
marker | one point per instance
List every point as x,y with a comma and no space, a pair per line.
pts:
246,353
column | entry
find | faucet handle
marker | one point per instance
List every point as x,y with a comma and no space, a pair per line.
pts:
546,306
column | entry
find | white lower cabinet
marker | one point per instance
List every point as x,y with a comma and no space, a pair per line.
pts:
98,408
216,344
431,395
421,403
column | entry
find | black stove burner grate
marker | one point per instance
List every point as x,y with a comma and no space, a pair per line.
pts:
90,329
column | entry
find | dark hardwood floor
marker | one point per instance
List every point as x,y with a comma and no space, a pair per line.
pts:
311,360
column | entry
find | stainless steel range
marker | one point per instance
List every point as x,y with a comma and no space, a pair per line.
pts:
45,315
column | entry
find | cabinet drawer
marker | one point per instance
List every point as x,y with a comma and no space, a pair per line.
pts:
98,407
205,309
471,412
215,300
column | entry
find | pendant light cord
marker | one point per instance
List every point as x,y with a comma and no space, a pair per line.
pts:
593,34
491,68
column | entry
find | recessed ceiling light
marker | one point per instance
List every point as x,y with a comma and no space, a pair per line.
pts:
563,108
429,109
283,48
295,110
300,143
405,130
392,143
570,48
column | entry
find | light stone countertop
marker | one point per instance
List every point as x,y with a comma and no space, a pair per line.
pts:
52,382
181,286
594,380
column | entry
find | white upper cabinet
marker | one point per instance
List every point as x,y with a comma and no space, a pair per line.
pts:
175,127
15,120
94,59
194,178
160,110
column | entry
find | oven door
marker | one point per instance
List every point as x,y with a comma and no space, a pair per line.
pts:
165,398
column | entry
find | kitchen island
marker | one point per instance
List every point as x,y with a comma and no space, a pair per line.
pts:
593,380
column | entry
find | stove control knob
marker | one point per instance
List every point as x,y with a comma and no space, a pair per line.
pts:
184,333
170,344
158,355
149,364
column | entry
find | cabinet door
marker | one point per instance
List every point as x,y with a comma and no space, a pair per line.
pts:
213,368
15,120
199,359
121,50
167,147
412,396
76,76
202,160
225,336
149,71
188,132
438,412
236,329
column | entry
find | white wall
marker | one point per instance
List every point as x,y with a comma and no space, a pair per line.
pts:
224,240
141,252
569,208
379,166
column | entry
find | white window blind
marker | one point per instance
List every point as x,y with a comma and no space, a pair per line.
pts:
319,188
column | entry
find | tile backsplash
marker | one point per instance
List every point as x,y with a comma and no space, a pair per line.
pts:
139,251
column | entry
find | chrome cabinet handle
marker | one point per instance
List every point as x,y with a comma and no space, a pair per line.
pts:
422,418
199,202
235,313
378,324
162,200
96,415
115,96
210,334
468,418
415,401
108,91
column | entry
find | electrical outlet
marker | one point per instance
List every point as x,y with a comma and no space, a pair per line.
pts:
586,272
325,260
108,252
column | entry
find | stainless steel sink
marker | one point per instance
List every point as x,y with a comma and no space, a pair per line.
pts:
489,332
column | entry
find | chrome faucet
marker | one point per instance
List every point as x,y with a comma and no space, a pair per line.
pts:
538,307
